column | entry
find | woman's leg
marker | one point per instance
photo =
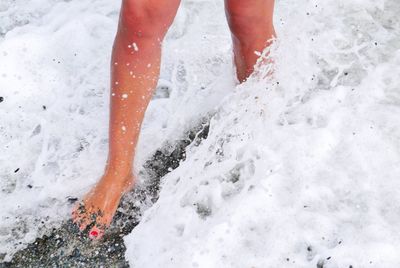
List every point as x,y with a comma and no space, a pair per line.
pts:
135,67
251,25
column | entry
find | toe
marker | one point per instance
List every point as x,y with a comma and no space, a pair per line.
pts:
98,230
96,233
83,224
76,217
79,217
75,214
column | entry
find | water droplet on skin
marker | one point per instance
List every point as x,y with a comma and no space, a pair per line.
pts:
125,96
117,83
123,128
135,47
149,65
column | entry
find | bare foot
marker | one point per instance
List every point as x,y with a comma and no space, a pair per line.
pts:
100,204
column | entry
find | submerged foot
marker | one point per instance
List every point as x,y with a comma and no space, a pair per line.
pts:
100,204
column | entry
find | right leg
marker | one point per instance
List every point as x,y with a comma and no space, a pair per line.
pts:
135,68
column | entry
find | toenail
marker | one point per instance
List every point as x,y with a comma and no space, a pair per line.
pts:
94,233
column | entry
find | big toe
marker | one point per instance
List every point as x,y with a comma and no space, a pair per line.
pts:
98,230
82,224
96,233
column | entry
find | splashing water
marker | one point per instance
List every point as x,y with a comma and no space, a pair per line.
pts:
299,168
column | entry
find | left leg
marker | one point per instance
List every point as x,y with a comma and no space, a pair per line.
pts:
251,25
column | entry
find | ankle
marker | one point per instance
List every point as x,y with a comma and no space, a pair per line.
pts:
118,177
246,55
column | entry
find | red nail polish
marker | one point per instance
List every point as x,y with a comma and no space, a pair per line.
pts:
94,233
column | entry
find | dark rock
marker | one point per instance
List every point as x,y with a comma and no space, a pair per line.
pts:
71,199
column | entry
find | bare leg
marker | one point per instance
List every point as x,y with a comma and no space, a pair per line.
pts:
135,67
251,24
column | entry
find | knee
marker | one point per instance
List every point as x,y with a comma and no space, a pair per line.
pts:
249,18
147,18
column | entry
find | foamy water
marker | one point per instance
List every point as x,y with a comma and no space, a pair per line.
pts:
298,170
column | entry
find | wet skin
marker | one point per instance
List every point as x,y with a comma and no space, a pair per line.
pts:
135,68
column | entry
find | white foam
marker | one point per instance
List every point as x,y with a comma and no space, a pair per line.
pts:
291,174
299,173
